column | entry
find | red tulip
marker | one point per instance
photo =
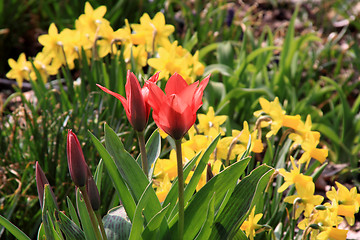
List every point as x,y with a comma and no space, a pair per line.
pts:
76,161
136,107
175,112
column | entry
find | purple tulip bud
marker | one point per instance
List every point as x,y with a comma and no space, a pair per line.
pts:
209,174
76,162
93,193
41,180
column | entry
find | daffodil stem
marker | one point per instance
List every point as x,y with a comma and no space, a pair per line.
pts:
181,188
91,212
102,229
144,162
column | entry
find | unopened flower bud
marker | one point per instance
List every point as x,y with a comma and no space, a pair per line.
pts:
93,193
76,162
41,180
209,174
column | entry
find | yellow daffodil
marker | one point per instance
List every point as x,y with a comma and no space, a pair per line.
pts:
293,177
307,199
138,53
168,62
303,131
209,120
276,113
347,201
332,233
20,69
325,218
55,46
169,166
310,150
44,67
230,147
163,188
155,31
108,40
250,225
90,22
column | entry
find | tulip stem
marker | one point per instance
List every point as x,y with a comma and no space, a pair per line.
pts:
102,229
144,162
181,188
90,211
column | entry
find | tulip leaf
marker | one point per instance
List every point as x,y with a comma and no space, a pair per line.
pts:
117,224
198,205
138,221
119,183
68,227
41,232
153,149
72,212
172,195
205,231
98,174
221,68
131,172
243,198
153,229
49,226
13,229
191,186
84,217
48,211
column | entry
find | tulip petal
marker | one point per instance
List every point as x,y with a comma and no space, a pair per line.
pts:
118,96
175,85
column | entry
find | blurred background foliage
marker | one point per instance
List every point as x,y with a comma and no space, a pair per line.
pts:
310,59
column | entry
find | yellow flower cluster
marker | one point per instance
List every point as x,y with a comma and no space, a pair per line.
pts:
299,131
320,221
94,35
200,136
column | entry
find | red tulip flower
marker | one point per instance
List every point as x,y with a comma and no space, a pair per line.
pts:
77,166
175,112
136,107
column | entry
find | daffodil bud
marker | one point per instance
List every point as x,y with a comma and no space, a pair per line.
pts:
76,162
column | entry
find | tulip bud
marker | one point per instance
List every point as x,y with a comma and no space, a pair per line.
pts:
93,193
209,174
41,180
76,162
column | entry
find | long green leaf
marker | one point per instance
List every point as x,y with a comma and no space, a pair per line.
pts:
220,184
153,149
131,172
190,188
68,227
207,226
13,229
153,229
138,221
84,217
244,197
172,195
119,183
72,212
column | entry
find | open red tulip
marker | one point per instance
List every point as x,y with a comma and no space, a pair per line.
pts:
136,106
175,112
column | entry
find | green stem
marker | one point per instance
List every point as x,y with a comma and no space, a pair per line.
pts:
144,161
90,211
102,229
181,188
